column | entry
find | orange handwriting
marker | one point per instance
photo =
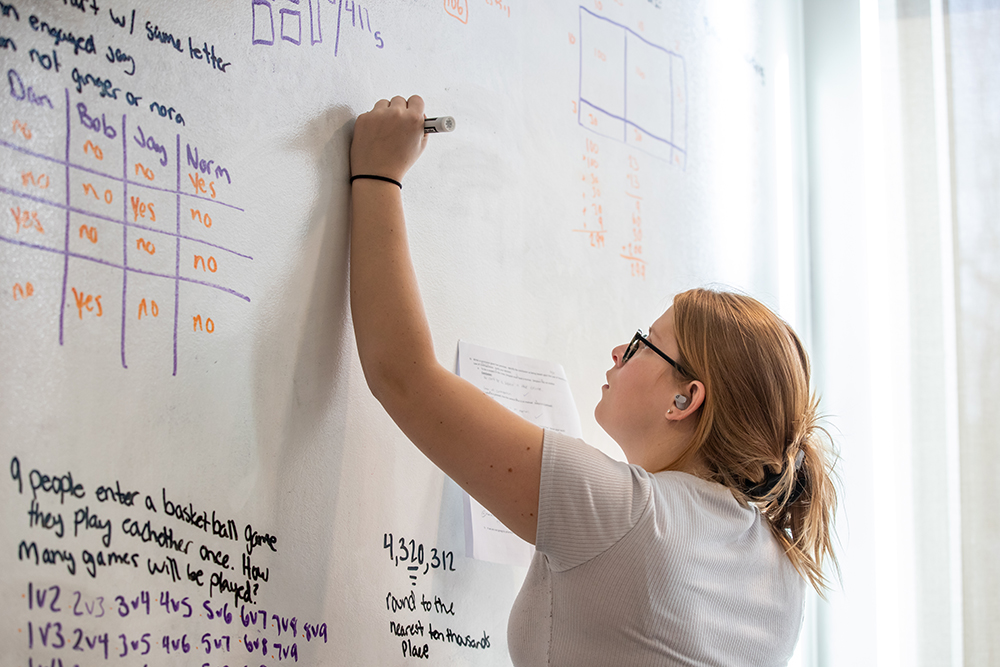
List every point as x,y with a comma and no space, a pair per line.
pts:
22,128
88,188
457,8
140,208
633,251
145,171
87,302
211,265
26,220
209,325
596,236
199,184
93,148
23,292
89,233
203,218
28,178
143,244
151,309
500,5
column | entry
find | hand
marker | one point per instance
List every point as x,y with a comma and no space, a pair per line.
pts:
389,138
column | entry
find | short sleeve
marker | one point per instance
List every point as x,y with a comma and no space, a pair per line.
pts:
587,501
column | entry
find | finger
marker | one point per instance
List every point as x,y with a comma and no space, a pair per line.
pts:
398,101
415,103
381,104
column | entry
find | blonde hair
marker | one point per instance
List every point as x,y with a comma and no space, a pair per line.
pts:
757,416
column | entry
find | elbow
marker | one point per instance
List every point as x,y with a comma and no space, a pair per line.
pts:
380,383
394,386
378,378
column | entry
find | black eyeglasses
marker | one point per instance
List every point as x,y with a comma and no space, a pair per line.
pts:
633,347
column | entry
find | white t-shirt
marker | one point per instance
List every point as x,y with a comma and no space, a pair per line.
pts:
634,568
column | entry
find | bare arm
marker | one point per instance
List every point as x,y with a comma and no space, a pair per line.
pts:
492,453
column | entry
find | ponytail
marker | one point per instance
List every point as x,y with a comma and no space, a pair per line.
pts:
801,500
758,429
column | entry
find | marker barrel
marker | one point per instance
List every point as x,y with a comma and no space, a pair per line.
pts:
439,124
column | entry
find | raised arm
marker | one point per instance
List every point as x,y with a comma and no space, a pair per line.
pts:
492,453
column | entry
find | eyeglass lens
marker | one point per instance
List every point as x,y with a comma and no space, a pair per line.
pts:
632,348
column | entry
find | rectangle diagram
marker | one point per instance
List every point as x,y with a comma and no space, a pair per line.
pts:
632,90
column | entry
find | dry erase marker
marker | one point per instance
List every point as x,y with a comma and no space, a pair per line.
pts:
439,124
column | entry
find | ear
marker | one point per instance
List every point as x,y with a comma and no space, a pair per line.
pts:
694,391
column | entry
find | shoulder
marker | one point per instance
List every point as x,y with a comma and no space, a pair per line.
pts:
571,464
701,506
587,500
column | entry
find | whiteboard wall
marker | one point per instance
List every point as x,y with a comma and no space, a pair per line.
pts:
195,470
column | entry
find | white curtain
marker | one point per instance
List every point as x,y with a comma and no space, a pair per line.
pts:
903,123
974,77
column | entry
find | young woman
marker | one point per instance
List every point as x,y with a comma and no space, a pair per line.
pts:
696,551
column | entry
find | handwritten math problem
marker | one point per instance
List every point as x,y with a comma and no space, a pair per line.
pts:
632,249
594,213
121,195
415,558
198,599
79,625
410,629
593,203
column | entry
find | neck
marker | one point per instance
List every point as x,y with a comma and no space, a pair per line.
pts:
669,451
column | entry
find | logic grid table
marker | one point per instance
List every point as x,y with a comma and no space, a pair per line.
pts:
73,197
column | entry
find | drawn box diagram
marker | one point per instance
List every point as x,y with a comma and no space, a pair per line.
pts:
632,90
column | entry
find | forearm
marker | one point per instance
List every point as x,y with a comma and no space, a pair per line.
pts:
393,337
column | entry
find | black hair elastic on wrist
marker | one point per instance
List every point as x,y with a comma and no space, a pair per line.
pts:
378,178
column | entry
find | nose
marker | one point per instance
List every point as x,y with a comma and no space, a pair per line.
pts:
617,353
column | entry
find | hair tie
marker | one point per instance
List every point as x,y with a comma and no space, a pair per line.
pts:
378,178
771,480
